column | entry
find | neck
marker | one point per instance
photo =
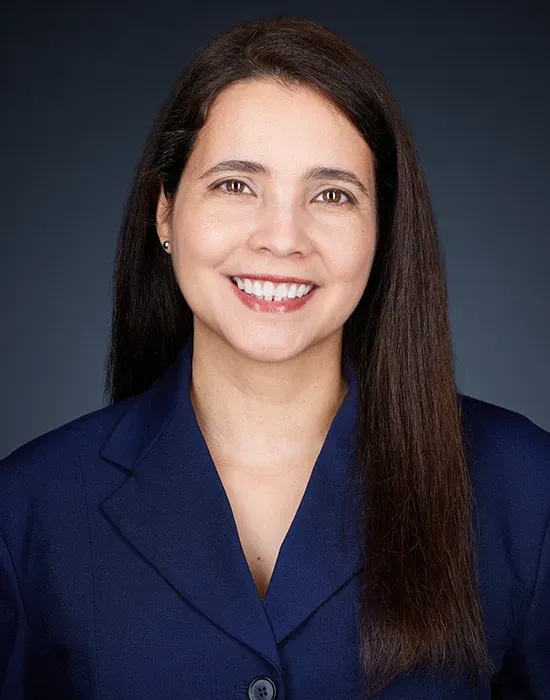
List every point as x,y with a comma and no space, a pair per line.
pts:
266,416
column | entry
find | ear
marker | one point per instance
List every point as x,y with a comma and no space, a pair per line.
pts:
162,218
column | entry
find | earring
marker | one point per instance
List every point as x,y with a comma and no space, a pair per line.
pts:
166,245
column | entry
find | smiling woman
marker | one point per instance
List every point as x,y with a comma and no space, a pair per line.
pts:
287,496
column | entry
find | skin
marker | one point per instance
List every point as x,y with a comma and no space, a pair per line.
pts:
266,387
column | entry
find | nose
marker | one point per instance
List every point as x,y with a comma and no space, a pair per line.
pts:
281,231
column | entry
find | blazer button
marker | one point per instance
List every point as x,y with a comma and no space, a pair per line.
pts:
262,688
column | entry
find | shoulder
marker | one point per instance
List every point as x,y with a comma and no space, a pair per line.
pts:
49,465
497,426
509,461
508,448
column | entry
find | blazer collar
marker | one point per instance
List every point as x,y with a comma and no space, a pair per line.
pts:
174,510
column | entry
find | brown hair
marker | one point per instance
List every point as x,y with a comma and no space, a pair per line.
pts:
420,594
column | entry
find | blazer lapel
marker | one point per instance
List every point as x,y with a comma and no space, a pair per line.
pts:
174,510
323,547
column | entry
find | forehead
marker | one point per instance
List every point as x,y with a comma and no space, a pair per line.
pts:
283,127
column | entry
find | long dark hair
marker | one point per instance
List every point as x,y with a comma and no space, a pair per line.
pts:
420,596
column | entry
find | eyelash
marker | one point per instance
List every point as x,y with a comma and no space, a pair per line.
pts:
350,197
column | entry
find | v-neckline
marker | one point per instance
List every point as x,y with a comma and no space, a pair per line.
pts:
174,511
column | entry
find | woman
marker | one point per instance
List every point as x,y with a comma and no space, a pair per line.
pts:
286,497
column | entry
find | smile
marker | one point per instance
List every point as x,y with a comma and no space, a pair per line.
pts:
267,297
269,291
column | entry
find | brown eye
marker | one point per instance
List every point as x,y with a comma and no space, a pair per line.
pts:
335,197
231,189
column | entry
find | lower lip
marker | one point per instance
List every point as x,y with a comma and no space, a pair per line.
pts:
277,307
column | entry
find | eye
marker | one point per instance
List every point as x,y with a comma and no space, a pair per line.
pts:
336,201
231,190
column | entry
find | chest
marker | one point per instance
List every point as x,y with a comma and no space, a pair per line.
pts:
263,507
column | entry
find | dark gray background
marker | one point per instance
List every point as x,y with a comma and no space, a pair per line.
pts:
81,84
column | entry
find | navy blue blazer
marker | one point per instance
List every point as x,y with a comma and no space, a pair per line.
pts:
122,576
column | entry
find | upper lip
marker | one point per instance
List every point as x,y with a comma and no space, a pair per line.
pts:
274,278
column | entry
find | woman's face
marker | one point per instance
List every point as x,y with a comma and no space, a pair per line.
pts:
270,220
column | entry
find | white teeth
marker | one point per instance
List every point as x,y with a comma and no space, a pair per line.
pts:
281,292
268,291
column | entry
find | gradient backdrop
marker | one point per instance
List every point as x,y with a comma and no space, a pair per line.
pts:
81,84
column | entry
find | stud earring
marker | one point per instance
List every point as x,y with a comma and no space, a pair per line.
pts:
166,245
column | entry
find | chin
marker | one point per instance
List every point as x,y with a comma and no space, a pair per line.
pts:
265,349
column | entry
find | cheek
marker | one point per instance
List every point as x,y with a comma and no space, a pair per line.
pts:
203,239
350,261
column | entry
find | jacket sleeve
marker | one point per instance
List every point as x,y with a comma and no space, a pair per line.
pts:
536,636
526,675
14,632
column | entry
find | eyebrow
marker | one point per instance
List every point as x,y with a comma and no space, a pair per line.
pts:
317,172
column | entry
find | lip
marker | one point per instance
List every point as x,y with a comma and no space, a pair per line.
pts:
277,307
273,278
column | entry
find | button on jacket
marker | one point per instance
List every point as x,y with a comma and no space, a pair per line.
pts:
122,576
